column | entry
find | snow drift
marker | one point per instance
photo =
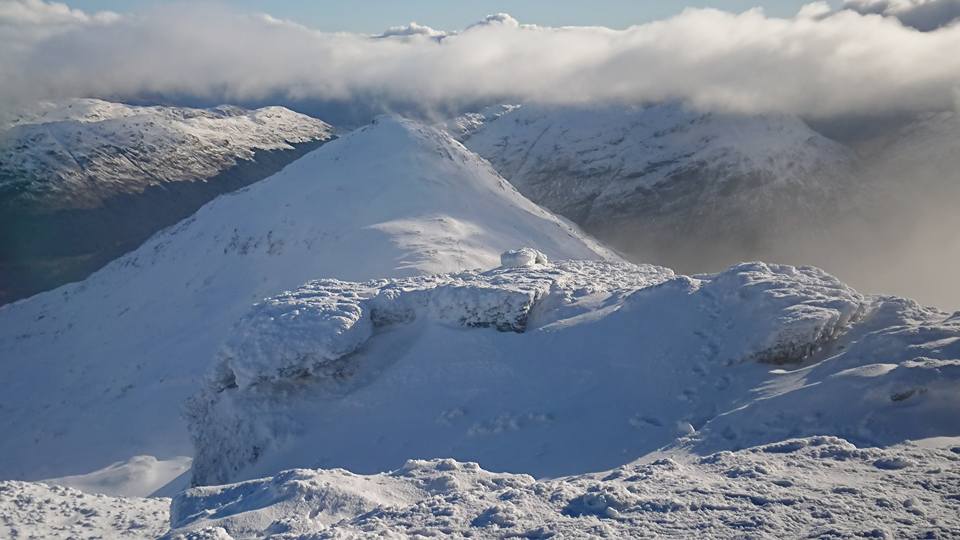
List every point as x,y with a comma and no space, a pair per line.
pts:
122,350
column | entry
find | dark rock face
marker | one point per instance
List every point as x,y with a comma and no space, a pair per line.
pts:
42,248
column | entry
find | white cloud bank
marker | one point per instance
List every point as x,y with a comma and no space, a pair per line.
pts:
811,64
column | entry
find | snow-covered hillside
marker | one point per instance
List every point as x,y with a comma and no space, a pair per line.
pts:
84,181
77,153
642,177
569,367
29,510
96,372
819,487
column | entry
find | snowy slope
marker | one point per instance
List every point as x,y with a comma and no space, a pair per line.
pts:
84,181
77,153
642,177
137,476
29,510
569,367
815,487
819,487
96,372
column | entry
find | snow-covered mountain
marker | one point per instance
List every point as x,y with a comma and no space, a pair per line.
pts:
599,399
556,391
497,367
78,153
82,181
643,177
96,372
926,148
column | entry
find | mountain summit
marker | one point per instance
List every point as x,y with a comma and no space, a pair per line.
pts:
121,351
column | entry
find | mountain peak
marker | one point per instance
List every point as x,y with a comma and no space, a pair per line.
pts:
394,199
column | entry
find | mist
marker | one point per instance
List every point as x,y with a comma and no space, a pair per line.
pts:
897,233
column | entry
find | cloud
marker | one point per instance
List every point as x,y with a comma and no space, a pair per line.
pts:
413,29
924,15
846,63
38,12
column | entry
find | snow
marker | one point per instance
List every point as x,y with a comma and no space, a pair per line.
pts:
814,487
522,257
137,476
811,487
30,510
497,366
595,164
672,185
78,153
438,378
121,351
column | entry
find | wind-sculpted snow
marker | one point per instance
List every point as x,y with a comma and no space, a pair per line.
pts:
820,487
30,510
295,334
522,257
496,367
129,344
895,375
807,308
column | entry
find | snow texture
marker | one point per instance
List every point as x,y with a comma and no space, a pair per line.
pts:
496,367
522,257
821,487
137,476
29,510
77,153
128,345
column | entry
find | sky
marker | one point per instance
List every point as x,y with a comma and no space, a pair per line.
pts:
371,16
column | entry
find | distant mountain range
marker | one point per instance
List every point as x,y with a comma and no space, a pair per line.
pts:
83,181
666,183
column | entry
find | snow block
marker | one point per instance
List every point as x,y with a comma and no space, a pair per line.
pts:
518,258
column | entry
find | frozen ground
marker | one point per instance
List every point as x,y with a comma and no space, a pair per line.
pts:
39,511
119,352
818,487
570,367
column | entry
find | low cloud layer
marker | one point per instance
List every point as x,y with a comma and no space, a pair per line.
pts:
850,62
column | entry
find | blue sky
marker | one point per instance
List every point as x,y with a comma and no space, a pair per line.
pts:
377,15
